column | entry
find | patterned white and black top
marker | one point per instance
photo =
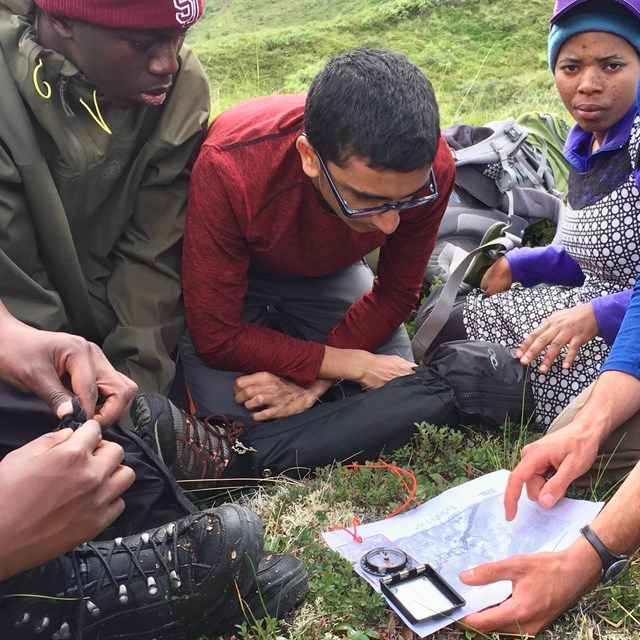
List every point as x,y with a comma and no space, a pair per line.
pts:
601,232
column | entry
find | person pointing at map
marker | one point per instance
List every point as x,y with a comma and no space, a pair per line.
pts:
546,584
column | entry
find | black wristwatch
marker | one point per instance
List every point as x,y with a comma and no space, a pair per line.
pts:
614,566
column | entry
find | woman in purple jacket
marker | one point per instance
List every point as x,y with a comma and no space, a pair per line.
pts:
564,327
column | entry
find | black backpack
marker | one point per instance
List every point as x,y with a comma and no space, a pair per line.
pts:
489,383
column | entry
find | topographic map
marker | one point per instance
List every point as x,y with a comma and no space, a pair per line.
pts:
479,531
464,527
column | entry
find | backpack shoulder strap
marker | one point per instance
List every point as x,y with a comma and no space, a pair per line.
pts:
430,328
506,139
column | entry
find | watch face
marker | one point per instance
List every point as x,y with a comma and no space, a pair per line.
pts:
616,570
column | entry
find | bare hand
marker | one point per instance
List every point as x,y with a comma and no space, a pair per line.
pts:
497,277
268,396
573,327
544,585
569,452
380,369
55,366
58,491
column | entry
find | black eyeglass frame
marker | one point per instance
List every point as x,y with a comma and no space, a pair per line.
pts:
368,212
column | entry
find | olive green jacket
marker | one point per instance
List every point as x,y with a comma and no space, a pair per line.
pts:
91,222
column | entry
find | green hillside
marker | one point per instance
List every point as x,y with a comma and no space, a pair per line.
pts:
485,58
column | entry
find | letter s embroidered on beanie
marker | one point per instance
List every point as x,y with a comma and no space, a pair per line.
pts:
187,11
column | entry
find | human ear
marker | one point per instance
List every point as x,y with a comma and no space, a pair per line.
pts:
61,27
308,156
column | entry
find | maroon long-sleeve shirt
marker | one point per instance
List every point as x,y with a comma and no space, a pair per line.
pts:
252,209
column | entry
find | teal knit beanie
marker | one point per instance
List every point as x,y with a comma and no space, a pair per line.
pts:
619,22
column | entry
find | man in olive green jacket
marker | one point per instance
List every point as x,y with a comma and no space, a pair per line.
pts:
96,144
102,111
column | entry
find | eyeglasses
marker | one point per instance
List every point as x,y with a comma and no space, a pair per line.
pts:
367,212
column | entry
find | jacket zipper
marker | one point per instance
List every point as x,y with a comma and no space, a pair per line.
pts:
79,152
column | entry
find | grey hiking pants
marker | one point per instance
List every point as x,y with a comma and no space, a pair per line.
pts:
307,308
620,451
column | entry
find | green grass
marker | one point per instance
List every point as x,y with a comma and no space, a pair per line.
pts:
487,61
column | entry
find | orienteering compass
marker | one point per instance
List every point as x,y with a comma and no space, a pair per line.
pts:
384,561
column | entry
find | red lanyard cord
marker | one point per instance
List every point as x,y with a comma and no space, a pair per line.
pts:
403,474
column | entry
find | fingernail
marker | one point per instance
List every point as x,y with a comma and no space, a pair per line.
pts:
547,500
64,408
467,574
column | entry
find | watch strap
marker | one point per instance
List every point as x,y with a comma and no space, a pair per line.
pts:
608,559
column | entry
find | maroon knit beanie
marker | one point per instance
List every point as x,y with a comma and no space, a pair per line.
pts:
128,14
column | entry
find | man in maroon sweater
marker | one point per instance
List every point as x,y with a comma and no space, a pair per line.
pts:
286,199
288,195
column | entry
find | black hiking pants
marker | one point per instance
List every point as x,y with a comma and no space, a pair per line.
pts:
355,429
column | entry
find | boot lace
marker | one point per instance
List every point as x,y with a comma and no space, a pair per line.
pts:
209,442
92,574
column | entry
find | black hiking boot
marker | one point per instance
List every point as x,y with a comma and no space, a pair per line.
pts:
281,585
196,451
176,582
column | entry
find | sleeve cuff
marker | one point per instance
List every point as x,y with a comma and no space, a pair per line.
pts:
609,312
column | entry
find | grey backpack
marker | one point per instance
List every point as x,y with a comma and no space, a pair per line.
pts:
504,183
